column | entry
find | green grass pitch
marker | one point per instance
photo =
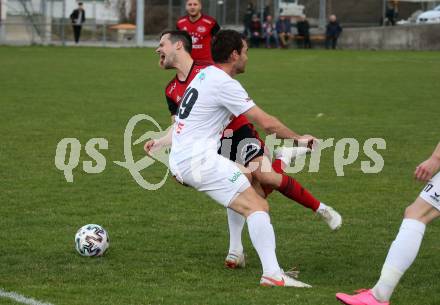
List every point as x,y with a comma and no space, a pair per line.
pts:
168,246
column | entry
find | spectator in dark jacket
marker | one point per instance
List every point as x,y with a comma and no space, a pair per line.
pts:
247,19
333,30
303,28
266,12
78,17
390,15
284,31
255,29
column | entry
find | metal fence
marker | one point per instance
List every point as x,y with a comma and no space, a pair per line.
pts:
47,21
60,32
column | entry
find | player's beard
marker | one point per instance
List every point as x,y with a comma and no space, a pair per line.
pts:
240,67
168,61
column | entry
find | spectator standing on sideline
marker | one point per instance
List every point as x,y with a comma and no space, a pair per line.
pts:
270,32
390,15
266,12
78,17
303,28
200,27
255,29
247,19
283,28
333,30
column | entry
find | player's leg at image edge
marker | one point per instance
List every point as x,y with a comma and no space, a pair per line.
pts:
403,250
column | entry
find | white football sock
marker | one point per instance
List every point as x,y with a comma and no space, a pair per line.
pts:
322,207
263,239
401,255
236,224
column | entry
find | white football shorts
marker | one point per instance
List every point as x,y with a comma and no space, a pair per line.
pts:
212,174
431,192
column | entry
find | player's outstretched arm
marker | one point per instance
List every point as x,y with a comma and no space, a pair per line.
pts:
272,125
155,144
429,167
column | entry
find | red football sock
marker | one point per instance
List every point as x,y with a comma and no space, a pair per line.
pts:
277,166
294,190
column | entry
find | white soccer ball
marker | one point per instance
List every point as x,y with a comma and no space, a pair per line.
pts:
91,240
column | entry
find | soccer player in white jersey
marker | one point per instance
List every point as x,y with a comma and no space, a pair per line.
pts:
405,247
175,45
208,105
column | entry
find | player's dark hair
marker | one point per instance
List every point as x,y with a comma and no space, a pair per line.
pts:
224,43
183,36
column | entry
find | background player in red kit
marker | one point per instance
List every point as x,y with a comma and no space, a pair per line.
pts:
242,129
201,28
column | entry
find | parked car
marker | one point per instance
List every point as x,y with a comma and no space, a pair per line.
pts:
432,16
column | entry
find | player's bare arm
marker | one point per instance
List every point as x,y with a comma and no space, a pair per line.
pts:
429,167
272,125
155,144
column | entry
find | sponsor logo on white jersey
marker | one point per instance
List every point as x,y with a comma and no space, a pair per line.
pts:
202,76
235,177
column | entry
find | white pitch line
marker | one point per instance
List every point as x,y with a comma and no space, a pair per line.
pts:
20,298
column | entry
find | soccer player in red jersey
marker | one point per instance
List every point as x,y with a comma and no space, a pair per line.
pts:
201,28
244,138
